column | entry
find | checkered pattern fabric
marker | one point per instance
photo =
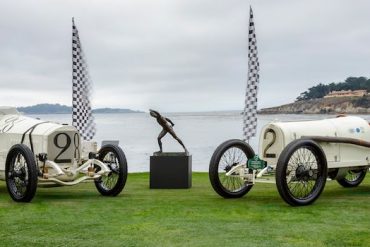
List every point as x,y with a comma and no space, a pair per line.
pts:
82,117
250,108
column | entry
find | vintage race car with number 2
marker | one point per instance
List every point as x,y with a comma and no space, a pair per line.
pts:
298,156
35,152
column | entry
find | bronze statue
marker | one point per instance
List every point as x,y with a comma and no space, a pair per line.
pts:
167,125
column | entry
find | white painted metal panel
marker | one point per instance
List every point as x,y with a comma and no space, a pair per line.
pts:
338,155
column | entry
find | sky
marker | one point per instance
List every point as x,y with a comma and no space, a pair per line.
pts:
179,55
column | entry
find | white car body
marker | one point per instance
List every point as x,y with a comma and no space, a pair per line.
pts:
338,155
298,157
67,155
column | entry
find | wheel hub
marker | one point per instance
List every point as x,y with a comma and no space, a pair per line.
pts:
229,167
302,173
20,174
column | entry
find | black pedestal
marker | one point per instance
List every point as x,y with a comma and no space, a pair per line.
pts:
170,171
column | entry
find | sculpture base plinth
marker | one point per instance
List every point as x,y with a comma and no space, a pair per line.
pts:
170,171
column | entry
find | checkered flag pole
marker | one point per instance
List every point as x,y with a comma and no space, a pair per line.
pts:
82,117
250,108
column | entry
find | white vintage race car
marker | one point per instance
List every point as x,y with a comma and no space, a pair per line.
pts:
301,155
36,152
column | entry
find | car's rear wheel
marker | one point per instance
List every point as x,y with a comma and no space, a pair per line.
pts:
301,172
113,183
21,173
353,178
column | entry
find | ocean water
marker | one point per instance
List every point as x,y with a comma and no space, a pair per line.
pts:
201,133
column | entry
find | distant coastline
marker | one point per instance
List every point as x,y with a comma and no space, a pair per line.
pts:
63,109
340,105
348,97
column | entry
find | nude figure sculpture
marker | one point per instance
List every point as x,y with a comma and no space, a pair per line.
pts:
167,126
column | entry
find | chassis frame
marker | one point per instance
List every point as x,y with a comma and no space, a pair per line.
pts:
278,174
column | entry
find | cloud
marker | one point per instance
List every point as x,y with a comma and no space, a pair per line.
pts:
179,55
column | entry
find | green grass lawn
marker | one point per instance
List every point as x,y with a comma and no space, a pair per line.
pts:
79,216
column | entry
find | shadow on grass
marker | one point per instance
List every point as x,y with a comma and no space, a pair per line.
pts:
269,196
73,195
86,192
260,194
361,190
63,193
275,198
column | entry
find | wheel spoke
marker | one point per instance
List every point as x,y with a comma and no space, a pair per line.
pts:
108,182
18,175
353,175
229,159
302,173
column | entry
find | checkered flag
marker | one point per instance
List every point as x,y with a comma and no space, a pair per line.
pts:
250,108
82,117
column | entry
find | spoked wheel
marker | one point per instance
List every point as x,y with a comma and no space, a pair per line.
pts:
114,182
353,178
228,155
21,173
301,172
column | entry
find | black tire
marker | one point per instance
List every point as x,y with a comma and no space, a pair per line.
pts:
219,166
306,161
114,182
21,173
353,178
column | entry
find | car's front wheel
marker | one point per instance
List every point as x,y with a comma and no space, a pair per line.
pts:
113,183
21,173
228,155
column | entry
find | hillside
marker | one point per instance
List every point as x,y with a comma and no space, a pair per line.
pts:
349,105
312,101
320,90
63,109
45,109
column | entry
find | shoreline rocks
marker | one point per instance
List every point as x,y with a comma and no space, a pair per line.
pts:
340,105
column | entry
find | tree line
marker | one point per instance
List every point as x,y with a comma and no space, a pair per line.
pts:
320,90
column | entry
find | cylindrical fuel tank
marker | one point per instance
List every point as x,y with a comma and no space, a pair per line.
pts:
277,135
60,142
